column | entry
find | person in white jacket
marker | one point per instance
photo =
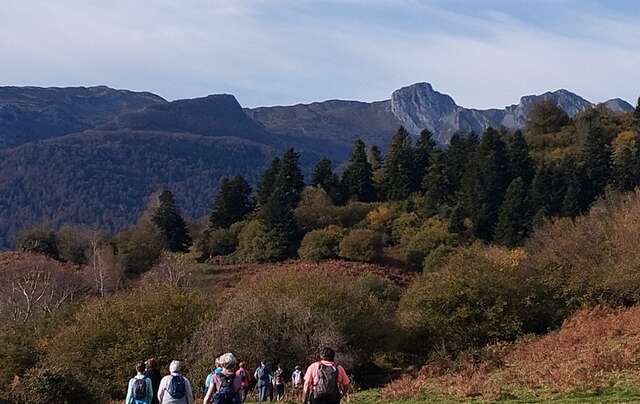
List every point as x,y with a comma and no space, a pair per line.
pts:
140,389
175,388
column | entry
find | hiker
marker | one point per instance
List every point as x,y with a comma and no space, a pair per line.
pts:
225,386
175,388
278,383
216,369
325,382
152,371
245,378
263,377
296,383
140,389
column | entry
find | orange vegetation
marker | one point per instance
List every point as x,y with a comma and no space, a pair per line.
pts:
596,348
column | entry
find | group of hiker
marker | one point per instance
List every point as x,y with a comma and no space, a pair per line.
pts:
229,382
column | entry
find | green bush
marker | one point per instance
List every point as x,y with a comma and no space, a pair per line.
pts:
432,234
315,210
404,226
217,242
55,386
361,245
470,302
39,240
321,244
354,213
256,244
288,315
106,337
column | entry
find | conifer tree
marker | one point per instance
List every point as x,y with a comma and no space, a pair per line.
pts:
456,220
571,206
267,182
232,202
597,159
436,184
399,178
490,183
636,116
461,162
374,157
357,179
540,190
520,163
513,219
171,225
280,224
423,151
290,180
324,177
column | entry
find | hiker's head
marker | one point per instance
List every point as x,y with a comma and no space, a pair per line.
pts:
175,367
328,354
228,362
279,366
151,364
297,367
262,363
140,367
241,365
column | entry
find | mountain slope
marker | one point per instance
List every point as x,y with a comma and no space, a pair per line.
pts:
33,113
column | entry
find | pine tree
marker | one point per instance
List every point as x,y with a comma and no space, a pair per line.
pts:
513,220
399,178
490,183
324,177
267,182
425,147
461,164
290,180
597,158
636,116
374,157
357,179
456,220
281,225
520,163
436,184
571,205
232,202
171,224
540,190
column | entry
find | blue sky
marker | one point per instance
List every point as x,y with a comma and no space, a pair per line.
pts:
484,53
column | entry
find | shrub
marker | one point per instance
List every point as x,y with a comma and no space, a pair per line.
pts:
288,315
470,302
380,218
403,227
361,245
216,242
106,337
322,244
432,234
55,386
256,244
315,210
353,213
38,240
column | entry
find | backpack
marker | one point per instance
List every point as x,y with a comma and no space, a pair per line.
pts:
226,394
140,389
177,387
326,388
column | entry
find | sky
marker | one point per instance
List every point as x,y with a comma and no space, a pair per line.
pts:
484,53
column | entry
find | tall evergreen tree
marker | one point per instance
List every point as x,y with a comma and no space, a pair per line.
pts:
232,202
171,224
268,181
597,159
399,179
436,184
456,220
540,190
290,180
325,178
374,157
425,147
520,163
461,162
282,229
513,219
490,183
571,204
357,179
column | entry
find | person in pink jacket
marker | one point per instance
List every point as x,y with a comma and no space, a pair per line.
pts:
325,382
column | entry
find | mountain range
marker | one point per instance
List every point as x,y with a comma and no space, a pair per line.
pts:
94,155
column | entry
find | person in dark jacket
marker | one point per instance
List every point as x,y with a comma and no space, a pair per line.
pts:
152,371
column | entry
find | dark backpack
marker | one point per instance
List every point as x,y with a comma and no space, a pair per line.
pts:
263,374
140,389
177,387
226,393
326,388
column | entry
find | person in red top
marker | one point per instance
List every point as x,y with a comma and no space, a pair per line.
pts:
243,375
325,382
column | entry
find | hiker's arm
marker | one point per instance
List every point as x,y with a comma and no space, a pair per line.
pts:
210,392
128,399
163,386
189,392
149,390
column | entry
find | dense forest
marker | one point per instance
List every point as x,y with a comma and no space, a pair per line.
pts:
417,256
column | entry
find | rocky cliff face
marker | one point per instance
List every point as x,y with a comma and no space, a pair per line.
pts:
618,105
